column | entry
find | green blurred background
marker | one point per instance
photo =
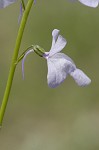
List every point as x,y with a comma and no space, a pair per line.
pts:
38,117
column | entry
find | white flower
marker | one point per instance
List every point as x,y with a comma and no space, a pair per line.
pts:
60,65
90,3
4,3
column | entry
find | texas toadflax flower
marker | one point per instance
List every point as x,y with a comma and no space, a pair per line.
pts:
59,64
5,3
90,3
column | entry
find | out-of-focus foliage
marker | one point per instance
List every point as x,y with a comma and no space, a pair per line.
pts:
38,117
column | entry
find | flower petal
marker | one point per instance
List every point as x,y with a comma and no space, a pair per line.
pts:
55,34
59,66
58,42
80,77
91,3
4,3
23,60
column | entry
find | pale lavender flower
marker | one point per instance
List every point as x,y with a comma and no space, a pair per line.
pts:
90,3
4,3
60,65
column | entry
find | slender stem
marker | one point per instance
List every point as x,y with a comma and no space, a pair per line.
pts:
14,59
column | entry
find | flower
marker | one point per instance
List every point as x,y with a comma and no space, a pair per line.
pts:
90,3
59,64
4,3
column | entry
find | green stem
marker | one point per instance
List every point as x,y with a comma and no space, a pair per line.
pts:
14,59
